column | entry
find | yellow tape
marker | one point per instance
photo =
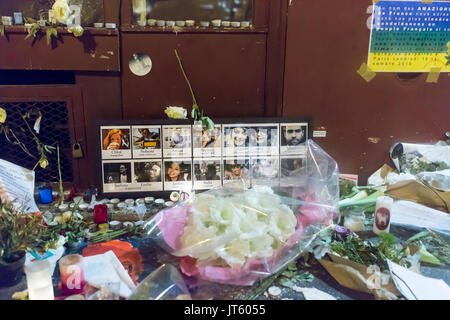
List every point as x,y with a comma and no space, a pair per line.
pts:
366,73
433,76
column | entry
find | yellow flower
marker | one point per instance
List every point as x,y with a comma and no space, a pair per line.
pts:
2,115
76,30
43,163
61,11
176,112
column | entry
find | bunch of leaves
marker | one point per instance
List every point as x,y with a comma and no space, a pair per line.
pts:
415,165
438,245
33,29
111,235
51,32
197,114
2,30
367,253
19,231
292,276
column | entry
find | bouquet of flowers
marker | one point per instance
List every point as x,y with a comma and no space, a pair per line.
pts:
235,236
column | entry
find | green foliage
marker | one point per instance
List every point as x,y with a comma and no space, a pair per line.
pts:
18,231
33,30
51,31
2,30
437,245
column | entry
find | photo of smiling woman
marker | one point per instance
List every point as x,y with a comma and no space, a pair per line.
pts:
178,174
115,142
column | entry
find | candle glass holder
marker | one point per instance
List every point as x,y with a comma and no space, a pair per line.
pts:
100,213
39,280
71,268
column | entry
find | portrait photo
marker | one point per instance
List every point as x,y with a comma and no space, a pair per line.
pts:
148,171
207,170
265,168
290,167
116,139
263,136
236,169
177,138
146,138
293,134
178,170
117,172
236,137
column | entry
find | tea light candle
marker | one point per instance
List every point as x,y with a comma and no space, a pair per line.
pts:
159,202
170,23
110,25
226,23
169,204
128,224
245,24
83,206
140,201
174,196
39,280
180,23
142,23
151,22
71,268
204,23
7,20
216,22
110,206
45,195
99,25
160,23
129,202
190,23
115,225
115,201
63,207
235,24
100,213
149,200
121,206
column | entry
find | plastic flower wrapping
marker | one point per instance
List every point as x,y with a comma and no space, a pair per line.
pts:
236,235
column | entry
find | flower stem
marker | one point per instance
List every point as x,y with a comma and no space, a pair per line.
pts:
61,190
186,78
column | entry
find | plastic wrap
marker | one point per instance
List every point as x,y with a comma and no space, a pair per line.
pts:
416,158
234,235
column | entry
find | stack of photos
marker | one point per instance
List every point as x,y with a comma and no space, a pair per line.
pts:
153,158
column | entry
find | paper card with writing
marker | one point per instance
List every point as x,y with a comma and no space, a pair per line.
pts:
177,141
178,174
116,142
207,173
292,138
146,141
207,142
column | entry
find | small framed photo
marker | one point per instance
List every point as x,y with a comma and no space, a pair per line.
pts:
263,139
265,170
117,176
292,138
115,142
236,169
177,141
207,173
235,140
148,175
178,174
207,142
146,141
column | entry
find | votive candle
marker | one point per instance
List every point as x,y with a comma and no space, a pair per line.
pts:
71,268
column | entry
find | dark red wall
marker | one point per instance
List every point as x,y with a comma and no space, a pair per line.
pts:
326,43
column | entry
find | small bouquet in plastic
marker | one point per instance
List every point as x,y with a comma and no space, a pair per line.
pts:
234,235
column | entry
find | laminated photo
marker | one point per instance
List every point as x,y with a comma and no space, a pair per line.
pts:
265,170
117,176
207,173
177,141
115,142
178,174
235,140
236,169
292,138
146,142
263,139
148,175
207,142
290,168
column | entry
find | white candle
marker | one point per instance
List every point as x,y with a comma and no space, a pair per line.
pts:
39,280
382,220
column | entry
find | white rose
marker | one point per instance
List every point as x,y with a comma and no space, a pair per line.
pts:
176,112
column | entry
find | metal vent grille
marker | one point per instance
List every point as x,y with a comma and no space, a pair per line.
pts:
54,130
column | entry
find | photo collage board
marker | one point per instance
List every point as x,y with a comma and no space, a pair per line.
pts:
169,155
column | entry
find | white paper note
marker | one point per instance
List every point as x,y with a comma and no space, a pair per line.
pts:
17,183
414,286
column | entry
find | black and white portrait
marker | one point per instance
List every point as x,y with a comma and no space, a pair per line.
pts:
293,135
149,171
117,172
